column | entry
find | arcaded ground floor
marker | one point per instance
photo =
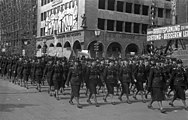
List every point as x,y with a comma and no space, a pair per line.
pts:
109,44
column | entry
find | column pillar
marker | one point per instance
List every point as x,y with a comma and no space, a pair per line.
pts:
123,27
105,24
115,5
106,4
141,7
132,27
115,23
132,8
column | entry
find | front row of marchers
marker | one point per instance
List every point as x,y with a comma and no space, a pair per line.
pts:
146,75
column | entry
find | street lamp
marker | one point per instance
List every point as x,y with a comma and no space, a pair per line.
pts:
97,32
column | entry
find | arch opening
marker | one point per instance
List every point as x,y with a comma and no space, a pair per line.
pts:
58,45
51,45
132,49
67,45
39,47
114,50
93,52
76,47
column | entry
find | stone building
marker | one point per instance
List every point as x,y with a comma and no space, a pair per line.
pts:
117,26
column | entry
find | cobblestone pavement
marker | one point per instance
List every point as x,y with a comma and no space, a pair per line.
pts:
17,103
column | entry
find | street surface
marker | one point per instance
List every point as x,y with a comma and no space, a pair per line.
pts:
17,103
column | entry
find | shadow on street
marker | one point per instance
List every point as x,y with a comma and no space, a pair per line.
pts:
11,107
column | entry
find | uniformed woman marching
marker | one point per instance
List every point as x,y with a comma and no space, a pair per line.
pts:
48,75
57,77
75,78
38,72
179,81
26,72
125,79
156,86
110,75
93,75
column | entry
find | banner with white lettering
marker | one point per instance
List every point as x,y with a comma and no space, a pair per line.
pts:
168,33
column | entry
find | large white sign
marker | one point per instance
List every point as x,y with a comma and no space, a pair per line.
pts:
178,31
65,18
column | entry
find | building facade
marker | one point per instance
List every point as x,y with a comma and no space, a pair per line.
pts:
18,26
118,27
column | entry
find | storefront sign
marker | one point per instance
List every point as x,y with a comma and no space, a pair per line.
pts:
168,33
71,34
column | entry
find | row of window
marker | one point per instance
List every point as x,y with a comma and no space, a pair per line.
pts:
44,2
128,7
58,9
121,26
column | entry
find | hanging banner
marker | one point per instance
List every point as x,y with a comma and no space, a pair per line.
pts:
179,31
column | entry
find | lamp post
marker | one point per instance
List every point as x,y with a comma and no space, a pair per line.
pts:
96,45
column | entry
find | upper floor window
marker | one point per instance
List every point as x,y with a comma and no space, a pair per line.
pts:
128,7
145,10
111,4
101,4
120,5
136,9
110,25
160,12
168,13
101,23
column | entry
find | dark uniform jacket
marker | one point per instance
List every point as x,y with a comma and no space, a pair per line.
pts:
19,69
179,77
156,78
26,69
110,74
14,68
48,71
93,74
57,73
39,69
75,76
140,73
125,74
